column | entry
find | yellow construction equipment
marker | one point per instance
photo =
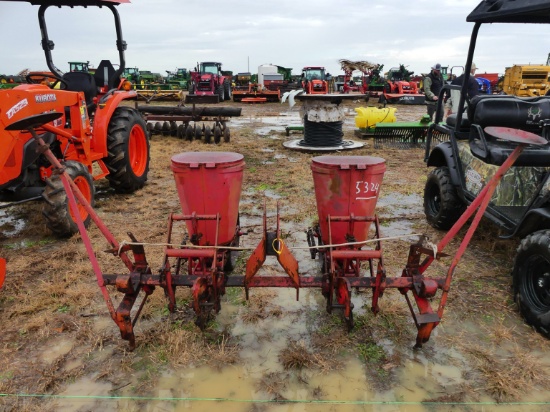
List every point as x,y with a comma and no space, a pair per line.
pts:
526,80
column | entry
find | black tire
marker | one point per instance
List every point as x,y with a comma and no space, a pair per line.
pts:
442,205
128,151
56,208
226,134
191,89
227,89
531,280
220,93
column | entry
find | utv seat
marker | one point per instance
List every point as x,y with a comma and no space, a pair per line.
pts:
522,113
508,111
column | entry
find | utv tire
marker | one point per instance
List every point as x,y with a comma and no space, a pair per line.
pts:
441,203
128,151
531,280
56,210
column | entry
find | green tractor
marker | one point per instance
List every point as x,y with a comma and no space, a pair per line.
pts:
179,79
144,79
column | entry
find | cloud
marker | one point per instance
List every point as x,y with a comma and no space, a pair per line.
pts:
243,34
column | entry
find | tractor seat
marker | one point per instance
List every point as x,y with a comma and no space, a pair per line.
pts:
105,75
495,151
81,82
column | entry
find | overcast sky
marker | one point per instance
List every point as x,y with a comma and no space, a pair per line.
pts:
243,34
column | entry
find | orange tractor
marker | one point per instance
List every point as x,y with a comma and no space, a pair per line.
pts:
314,80
94,135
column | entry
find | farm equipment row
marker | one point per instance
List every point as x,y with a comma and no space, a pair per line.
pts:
201,254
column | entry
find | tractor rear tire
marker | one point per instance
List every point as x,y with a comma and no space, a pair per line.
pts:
128,151
56,210
531,280
442,205
227,89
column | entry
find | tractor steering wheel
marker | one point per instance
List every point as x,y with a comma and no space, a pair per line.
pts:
40,78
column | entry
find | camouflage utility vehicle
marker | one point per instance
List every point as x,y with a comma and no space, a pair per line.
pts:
464,164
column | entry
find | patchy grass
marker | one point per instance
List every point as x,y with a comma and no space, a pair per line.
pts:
51,293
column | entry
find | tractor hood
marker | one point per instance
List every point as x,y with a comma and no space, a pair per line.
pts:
511,11
206,77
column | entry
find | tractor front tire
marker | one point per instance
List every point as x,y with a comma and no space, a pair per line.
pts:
442,205
128,151
531,280
56,210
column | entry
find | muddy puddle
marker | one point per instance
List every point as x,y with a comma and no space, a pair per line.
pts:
258,381
269,126
9,225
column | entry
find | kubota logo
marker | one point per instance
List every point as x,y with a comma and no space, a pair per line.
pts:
11,112
44,98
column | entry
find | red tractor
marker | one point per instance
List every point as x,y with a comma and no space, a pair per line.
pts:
93,135
209,84
314,80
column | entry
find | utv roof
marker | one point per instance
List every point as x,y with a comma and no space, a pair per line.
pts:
511,11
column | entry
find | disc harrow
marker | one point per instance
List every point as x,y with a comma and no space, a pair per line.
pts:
206,124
